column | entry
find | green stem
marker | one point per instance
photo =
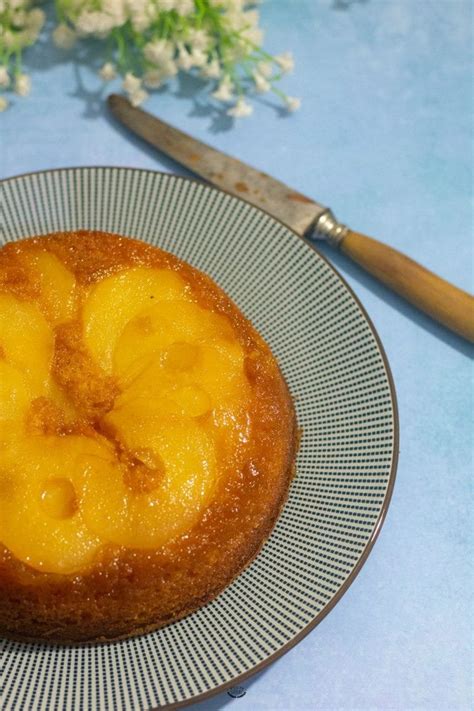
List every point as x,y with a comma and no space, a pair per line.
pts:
18,64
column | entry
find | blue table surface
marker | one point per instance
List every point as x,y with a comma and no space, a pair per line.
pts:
383,137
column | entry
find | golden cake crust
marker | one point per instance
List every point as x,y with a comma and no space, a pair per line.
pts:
129,591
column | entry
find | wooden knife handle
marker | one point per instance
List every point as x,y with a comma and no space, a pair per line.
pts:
452,307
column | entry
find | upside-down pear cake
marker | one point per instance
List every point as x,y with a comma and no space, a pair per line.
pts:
147,438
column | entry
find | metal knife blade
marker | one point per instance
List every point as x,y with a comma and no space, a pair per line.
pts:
294,209
442,301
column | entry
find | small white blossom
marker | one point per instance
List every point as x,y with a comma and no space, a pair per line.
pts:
211,70
131,84
292,103
22,85
159,52
116,10
141,13
198,58
184,7
153,78
8,39
108,72
31,36
3,103
64,37
241,109
4,77
198,39
262,85
95,23
193,41
185,60
265,69
166,5
18,18
170,69
253,36
141,21
224,90
138,97
35,19
285,61
251,17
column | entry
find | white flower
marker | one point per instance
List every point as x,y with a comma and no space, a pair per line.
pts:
265,69
253,35
159,52
35,19
64,37
170,69
22,85
18,18
138,97
198,58
224,90
141,22
233,5
4,78
238,20
166,5
108,72
8,39
3,103
116,10
185,60
241,109
95,23
184,7
153,78
141,13
292,103
211,70
131,84
285,61
262,85
198,39
31,36
251,17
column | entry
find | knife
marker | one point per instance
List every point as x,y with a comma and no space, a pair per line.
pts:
444,302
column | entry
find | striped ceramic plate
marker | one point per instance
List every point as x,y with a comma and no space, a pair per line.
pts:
338,375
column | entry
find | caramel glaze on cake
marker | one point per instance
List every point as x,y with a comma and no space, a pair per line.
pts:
118,589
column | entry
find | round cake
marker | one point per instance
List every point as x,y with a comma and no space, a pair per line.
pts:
147,438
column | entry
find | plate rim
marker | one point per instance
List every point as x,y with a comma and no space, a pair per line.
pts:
236,681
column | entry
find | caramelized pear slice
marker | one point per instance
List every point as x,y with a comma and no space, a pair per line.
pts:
114,301
15,398
183,485
43,480
159,329
57,298
26,341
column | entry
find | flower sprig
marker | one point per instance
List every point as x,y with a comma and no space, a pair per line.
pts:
148,42
20,25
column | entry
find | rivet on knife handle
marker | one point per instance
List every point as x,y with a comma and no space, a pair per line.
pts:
444,302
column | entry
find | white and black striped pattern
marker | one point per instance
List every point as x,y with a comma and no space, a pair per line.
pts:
339,378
